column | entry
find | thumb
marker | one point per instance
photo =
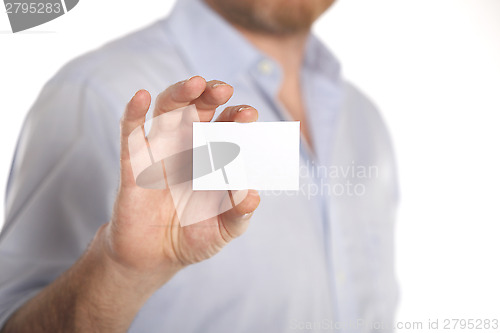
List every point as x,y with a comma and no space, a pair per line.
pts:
235,221
132,124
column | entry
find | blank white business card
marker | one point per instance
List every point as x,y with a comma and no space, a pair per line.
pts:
237,156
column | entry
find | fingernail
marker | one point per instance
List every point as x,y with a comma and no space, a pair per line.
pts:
246,216
243,108
184,81
218,84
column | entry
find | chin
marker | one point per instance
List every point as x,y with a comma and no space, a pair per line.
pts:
272,16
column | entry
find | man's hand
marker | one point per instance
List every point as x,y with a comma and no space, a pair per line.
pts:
144,235
143,245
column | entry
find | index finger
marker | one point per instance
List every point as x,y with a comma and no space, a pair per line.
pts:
179,95
206,96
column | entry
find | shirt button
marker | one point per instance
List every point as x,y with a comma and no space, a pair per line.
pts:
265,67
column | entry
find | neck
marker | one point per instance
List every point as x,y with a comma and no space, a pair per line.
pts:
288,51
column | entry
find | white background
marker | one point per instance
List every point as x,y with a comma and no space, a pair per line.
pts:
433,68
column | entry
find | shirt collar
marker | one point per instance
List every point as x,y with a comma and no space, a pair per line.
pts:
209,44
216,50
319,60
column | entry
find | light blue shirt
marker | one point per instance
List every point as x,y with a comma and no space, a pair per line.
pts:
310,261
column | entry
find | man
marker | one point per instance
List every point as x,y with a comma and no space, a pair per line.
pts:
320,259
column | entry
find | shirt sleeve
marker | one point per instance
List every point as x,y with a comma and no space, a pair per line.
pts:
61,187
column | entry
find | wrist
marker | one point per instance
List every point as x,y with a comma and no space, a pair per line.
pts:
107,292
144,281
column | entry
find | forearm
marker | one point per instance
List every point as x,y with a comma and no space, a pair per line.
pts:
94,295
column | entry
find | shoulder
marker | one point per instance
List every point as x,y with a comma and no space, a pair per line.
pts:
146,59
358,107
364,138
362,119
